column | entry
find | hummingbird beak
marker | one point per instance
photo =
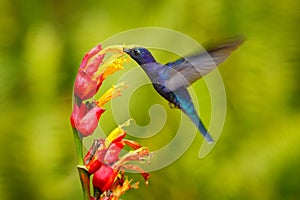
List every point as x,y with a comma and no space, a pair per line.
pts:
126,50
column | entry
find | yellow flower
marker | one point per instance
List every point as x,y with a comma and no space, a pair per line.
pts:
115,62
116,65
114,91
121,189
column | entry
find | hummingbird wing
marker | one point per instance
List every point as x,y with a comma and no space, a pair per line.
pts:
185,71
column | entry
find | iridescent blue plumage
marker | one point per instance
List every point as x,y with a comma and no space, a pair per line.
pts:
172,79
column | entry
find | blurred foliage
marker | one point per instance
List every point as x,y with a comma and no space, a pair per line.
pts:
257,156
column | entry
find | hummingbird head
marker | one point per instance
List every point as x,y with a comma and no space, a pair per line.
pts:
140,55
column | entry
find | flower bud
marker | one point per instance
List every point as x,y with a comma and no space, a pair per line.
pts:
84,119
86,86
104,177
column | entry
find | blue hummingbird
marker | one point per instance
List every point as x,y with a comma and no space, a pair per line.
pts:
171,80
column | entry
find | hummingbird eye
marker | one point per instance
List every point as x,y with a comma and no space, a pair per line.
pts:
136,52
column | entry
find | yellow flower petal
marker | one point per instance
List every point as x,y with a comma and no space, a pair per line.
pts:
117,132
121,189
116,65
114,62
113,92
113,135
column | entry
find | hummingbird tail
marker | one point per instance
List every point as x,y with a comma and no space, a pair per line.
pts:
204,132
191,113
202,128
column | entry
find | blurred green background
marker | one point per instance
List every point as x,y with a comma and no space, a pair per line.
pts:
42,44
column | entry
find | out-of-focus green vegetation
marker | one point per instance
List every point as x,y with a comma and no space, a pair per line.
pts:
258,154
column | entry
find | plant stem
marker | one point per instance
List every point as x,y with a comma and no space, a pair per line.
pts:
78,145
83,173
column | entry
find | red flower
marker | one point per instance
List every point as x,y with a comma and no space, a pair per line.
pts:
104,177
85,118
94,158
93,71
104,161
112,154
87,81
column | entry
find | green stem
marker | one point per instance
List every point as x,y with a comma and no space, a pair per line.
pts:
78,145
83,173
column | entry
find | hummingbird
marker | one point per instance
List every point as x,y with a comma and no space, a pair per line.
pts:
172,79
